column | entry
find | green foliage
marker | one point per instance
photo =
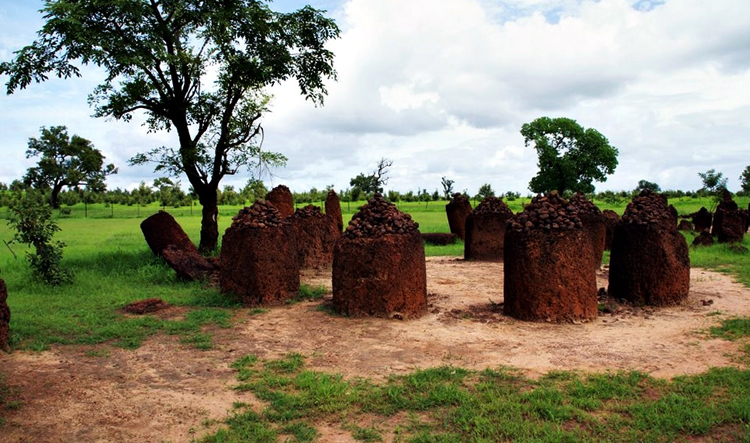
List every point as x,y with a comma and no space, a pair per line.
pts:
374,182
570,157
32,220
65,162
161,58
447,188
713,182
645,185
485,191
745,181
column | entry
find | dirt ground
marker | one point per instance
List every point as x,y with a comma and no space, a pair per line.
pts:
166,391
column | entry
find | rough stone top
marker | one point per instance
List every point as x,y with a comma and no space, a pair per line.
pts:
584,205
549,212
377,218
260,215
458,197
492,205
281,188
648,208
309,211
608,213
332,193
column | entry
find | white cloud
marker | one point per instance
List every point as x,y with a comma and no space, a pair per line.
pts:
444,87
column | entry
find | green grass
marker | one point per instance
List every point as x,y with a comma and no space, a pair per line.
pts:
450,404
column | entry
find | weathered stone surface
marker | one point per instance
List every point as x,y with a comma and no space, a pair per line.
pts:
146,306
611,218
650,262
189,266
485,230
333,208
259,261
594,225
702,220
439,238
549,266
704,239
457,210
162,230
685,226
729,222
4,318
281,198
316,234
379,266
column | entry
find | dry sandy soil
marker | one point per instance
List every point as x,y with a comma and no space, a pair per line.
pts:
164,390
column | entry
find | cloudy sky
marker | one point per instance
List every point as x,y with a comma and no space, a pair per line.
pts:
443,87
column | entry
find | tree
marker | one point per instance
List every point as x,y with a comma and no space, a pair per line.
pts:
485,191
645,185
66,162
570,157
713,182
160,57
370,184
745,180
32,220
447,187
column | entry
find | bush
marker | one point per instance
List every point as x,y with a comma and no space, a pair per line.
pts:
31,218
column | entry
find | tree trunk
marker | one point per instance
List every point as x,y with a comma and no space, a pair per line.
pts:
209,222
53,198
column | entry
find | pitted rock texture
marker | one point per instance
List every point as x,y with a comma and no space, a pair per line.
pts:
379,217
146,306
189,266
548,212
729,222
439,239
316,234
594,224
685,225
379,265
457,210
611,218
704,239
383,276
4,318
162,230
485,230
702,220
549,275
281,198
650,262
259,261
333,208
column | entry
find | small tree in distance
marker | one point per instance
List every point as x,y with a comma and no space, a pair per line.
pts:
645,185
571,158
745,181
485,191
447,187
65,162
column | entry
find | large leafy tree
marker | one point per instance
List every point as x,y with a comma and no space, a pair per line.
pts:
198,67
370,184
65,162
571,158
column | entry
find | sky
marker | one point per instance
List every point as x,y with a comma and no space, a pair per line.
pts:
443,88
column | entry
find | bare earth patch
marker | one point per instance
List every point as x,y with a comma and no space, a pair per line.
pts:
166,391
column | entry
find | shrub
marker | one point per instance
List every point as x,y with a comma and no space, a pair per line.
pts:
31,218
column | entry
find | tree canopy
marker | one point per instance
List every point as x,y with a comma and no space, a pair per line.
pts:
65,162
374,182
571,158
198,67
745,180
645,185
